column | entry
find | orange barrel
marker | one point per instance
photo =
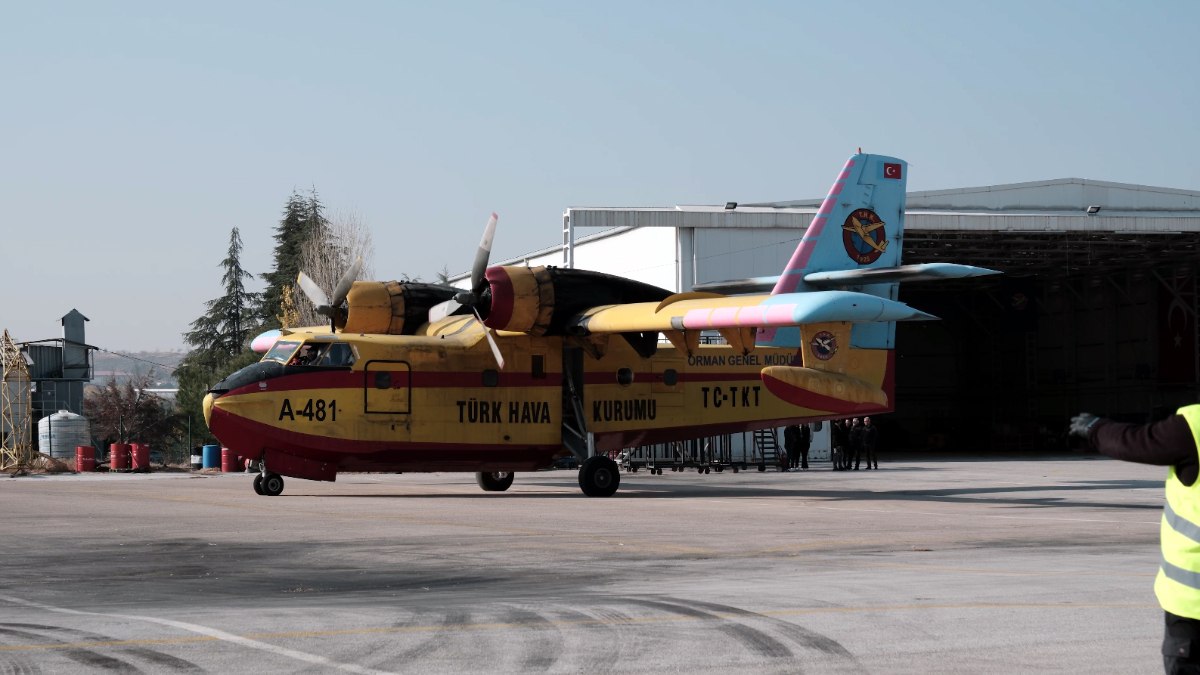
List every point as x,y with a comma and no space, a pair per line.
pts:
85,458
229,460
141,456
118,456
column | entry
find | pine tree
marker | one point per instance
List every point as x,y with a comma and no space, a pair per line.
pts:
303,218
226,328
219,339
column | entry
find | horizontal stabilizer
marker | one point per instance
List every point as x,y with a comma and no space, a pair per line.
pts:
823,390
883,275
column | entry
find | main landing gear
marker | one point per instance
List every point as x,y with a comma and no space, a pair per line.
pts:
494,481
599,476
269,484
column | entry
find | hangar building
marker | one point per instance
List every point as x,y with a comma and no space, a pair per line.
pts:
1096,309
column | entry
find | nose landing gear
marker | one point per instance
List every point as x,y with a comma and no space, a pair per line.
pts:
268,484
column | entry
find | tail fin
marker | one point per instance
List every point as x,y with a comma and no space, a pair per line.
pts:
858,225
857,229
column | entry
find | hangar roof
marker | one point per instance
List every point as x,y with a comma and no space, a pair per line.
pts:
1039,228
1062,194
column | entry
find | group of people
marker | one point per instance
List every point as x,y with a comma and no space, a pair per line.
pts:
852,441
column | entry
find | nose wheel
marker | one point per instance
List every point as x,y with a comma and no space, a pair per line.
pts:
269,484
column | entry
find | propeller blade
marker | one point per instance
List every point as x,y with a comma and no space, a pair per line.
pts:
481,256
443,310
347,280
315,295
491,341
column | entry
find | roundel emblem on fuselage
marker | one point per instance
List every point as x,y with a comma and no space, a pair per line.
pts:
823,345
863,236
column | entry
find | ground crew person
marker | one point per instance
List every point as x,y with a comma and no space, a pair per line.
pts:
804,445
1171,442
791,443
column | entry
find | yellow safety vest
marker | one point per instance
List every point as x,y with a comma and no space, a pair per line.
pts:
1178,583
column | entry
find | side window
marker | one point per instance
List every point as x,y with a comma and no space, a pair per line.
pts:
338,354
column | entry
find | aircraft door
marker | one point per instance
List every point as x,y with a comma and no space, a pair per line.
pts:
387,388
574,423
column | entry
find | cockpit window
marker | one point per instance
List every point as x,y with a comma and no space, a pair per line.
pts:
299,353
281,351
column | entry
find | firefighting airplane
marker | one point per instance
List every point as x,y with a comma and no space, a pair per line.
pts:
535,364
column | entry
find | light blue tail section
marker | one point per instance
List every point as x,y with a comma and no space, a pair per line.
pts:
858,227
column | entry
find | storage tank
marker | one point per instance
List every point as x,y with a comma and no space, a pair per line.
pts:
59,434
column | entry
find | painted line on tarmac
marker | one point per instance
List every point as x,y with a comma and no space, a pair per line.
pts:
209,632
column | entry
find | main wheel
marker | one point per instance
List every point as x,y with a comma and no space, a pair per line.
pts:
494,481
599,476
272,485
258,485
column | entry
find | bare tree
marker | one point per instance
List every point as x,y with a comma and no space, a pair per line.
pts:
125,412
326,256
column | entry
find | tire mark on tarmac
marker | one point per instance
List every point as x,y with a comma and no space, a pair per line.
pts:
600,653
756,640
545,649
439,638
86,657
209,632
157,658
799,634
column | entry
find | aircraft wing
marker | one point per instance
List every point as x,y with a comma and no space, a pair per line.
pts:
700,311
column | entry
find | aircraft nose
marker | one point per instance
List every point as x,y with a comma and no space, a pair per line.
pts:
208,405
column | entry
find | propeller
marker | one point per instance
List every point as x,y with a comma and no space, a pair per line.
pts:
317,297
478,281
491,340
472,297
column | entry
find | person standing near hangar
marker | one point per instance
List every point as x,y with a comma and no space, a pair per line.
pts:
839,436
856,443
1172,442
804,445
870,438
791,443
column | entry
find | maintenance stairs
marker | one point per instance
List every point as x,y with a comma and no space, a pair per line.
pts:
769,453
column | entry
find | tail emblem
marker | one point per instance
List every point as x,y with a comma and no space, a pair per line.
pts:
824,345
864,237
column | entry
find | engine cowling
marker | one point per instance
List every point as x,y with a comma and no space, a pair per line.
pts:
540,300
522,299
391,307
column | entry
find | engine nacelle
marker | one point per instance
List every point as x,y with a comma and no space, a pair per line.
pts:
522,299
391,307
541,300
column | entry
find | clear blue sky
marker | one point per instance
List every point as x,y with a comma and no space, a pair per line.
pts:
136,134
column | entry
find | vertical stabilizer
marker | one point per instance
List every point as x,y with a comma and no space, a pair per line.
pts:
858,225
